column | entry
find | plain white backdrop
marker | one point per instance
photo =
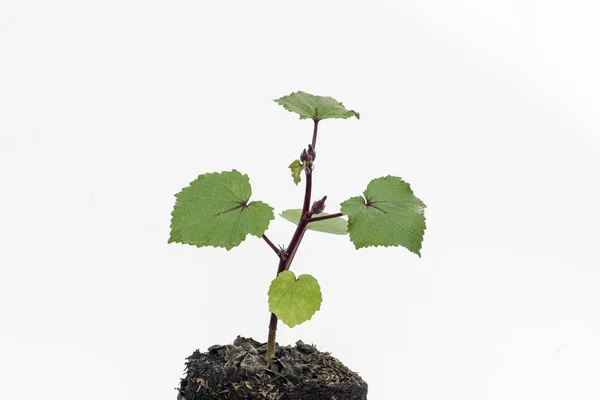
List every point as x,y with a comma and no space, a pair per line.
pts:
490,109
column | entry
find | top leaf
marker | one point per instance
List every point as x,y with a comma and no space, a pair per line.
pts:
388,215
315,107
214,211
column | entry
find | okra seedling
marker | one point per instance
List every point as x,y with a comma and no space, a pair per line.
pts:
215,210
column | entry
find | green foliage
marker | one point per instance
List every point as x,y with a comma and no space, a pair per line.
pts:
388,215
315,107
214,211
294,300
337,226
297,167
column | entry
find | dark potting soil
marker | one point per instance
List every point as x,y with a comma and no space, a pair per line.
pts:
240,371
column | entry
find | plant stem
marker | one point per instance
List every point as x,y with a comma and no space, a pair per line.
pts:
286,260
314,139
306,205
275,249
315,219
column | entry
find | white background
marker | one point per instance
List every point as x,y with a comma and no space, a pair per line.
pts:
488,108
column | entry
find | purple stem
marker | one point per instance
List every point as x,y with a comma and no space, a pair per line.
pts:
275,249
315,219
286,261
314,139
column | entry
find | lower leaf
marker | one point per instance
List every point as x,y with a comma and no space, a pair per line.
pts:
294,300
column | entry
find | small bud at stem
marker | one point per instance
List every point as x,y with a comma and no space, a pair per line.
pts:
304,156
318,206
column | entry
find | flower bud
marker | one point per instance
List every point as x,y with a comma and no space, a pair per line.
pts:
304,156
318,206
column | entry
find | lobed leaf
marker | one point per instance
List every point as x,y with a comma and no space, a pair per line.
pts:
389,214
214,210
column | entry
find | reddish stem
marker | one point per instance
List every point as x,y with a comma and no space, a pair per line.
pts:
286,261
314,138
315,219
275,249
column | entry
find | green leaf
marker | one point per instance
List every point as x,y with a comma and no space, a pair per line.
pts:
297,167
214,211
337,226
294,300
315,107
388,215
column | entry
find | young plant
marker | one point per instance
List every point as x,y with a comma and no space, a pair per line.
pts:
215,210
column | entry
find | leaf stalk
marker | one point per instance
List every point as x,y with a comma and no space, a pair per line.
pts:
314,138
275,249
315,219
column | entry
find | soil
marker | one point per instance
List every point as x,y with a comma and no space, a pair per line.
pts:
240,371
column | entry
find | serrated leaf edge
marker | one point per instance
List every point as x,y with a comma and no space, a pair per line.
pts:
303,165
418,252
280,102
363,197
172,239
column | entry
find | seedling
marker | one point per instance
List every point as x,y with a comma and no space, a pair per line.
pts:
215,210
